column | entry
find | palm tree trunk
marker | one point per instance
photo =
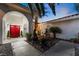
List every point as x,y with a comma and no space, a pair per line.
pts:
36,22
35,26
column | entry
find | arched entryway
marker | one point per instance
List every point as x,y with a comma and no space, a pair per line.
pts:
15,25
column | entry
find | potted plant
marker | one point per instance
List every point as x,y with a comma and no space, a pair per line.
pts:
28,35
8,34
21,34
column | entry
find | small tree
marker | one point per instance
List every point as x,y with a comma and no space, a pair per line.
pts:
55,30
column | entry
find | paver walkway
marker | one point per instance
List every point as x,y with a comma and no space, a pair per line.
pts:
61,48
22,48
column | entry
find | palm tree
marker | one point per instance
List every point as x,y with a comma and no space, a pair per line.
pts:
38,10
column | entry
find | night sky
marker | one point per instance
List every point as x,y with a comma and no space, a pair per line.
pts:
62,10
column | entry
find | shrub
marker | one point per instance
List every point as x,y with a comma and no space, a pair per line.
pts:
8,34
28,35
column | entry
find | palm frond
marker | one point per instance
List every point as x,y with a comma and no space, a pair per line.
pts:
31,8
52,6
42,9
77,6
38,9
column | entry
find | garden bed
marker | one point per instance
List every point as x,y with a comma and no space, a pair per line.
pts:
41,47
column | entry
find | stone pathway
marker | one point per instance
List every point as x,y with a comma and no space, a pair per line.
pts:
62,48
22,48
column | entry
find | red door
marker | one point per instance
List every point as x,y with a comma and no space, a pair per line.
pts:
14,31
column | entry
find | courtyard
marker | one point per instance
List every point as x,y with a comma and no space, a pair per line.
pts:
31,30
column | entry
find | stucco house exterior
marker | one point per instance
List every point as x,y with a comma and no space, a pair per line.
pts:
69,26
6,8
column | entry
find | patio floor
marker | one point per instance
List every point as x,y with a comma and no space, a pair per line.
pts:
61,48
22,48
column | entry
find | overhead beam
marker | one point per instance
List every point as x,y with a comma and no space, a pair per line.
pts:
18,8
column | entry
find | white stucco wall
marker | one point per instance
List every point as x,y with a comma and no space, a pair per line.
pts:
70,28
